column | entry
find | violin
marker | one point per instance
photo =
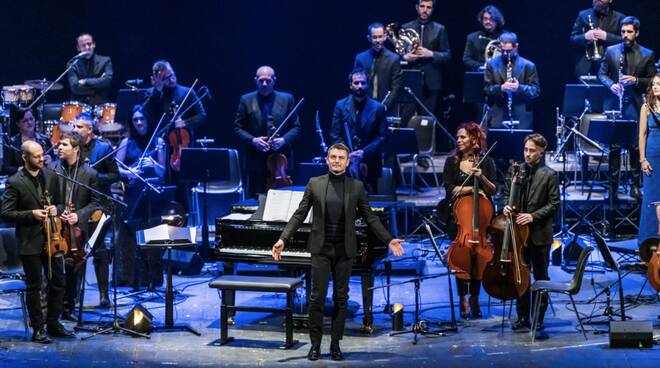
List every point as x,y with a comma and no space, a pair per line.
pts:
357,168
178,139
277,164
470,252
507,276
53,229
73,235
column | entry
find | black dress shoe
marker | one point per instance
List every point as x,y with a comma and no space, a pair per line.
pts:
335,352
314,353
540,326
60,331
67,316
41,337
521,325
366,329
104,301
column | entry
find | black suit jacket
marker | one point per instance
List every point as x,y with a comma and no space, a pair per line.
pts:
97,80
495,75
13,159
539,197
370,131
356,205
249,123
640,64
18,201
475,47
435,39
159,102
84,200
610,23
388,73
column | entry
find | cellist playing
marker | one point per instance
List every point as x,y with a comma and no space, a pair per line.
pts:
462,163
539,199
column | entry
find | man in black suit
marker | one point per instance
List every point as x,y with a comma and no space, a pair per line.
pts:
626,70
539,199
22,204
520,88
94,152
91,77
258,115
600,25
433,52
83,202
364,120
491,20
335,200
383,67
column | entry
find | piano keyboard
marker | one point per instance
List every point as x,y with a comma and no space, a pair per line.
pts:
264,252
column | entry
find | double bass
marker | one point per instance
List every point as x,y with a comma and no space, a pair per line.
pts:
507,276
472,214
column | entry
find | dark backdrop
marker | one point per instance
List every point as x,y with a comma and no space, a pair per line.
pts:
311,44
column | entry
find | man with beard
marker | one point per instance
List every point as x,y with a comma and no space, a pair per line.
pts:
91,77
382,66
491,20
361,121
626,70
594,30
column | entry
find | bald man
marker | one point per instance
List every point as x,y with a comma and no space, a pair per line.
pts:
23,204
258,116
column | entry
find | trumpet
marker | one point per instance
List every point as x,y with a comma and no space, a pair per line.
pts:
592,52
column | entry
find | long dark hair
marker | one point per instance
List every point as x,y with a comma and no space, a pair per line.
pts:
475,132
652,100
140,140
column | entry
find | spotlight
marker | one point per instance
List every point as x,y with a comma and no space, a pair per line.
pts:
397,317
139,319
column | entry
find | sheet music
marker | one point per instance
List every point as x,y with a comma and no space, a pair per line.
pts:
92,239
281,205
296,198
238,216
164,232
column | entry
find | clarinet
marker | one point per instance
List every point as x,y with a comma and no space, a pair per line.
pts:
595,54
509,78
621,86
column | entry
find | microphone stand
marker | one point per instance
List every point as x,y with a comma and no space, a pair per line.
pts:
55,81
428,112
116,327
143,180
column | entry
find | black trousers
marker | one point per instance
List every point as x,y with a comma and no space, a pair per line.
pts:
33,266
74,276
538,257
331,261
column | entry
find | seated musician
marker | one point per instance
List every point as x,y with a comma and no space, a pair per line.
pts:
470,144
258,115
360,121
82,202
12,160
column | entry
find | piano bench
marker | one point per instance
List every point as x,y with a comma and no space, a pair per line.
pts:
233,283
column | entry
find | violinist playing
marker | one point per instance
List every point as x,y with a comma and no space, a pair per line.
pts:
258,115
460,165
360,123
539,199
22,204
79,203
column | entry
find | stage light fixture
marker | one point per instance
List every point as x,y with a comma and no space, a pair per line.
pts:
139,319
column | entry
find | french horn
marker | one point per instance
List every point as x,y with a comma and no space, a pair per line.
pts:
405,40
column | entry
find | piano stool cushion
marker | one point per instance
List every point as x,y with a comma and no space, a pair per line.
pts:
256,283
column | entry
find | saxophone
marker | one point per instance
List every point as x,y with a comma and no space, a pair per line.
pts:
592,53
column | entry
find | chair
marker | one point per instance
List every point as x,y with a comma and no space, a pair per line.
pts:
18,287
586,150
569,288
424,127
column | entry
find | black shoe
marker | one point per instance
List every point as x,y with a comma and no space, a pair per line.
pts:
335,352
41,337
314,352
67,316
635,192
60,331
104,301
540,326
521,325
366,329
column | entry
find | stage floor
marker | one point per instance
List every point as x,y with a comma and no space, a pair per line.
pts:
258,335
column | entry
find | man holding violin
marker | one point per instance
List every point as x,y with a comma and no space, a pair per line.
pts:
22,204
259,114
79,203
539,199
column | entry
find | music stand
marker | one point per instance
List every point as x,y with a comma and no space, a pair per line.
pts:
166,236
204,165
509,142
473,87
576,94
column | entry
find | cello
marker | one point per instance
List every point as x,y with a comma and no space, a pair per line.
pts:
507,276
472,214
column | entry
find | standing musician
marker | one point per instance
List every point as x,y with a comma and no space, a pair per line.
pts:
79,203
470,144
491,20
649,149
539,199
92,150
626,70
594,30
382,66
22,204
91,77
433,52
12,156
336,200
258,115
512,84
364,120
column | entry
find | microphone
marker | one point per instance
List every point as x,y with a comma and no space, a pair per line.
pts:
134,81
81,54
206,90
587,105
449,97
